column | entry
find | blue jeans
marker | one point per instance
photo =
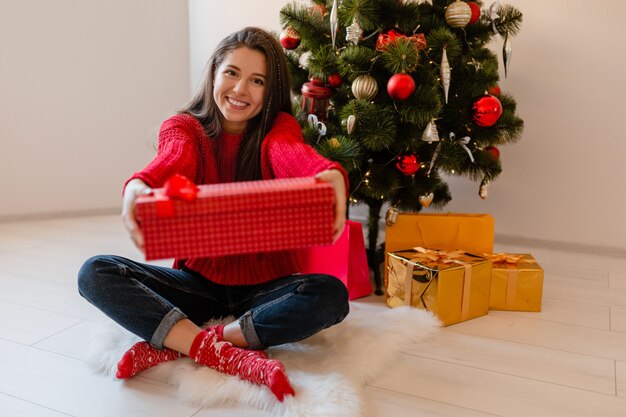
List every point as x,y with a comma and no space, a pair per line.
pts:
149,300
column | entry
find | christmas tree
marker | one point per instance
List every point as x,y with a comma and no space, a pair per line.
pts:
400,92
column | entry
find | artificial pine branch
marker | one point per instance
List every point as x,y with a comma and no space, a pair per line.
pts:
422,107
401,56
510,20
379,131
365,12
322,63
438,39
310,26
355,61
383,182
343,150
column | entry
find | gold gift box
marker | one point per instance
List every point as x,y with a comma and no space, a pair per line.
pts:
516,283
445,231
454,287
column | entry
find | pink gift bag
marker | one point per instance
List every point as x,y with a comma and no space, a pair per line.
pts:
345,259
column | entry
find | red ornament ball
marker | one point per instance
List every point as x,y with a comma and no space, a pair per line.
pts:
495,152
400,86
408,163
475,12
486,110
289,38
494,90
334,80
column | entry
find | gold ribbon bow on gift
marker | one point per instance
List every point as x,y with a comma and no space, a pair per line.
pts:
504,258
426,255
438,256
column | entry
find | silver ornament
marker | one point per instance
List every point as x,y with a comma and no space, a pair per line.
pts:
364,87
354,32
334,22
350,124
492,14
430,134
507,51
444,74
433,159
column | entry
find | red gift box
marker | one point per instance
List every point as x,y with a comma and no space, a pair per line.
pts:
238,218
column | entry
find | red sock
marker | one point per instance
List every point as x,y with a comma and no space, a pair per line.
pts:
143,356
210,349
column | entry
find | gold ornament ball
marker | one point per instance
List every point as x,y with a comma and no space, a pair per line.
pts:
364,87
458,14
334,143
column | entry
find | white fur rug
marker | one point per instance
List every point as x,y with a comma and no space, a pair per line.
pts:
328,371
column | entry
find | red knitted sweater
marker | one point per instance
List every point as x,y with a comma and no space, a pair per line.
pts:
184,148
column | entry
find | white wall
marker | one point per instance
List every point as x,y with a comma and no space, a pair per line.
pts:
209,23
84,86
562,182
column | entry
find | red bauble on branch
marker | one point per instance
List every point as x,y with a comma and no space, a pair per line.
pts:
408,163
400,86
494,90
486,110
334,80
495,152
289,38
475,12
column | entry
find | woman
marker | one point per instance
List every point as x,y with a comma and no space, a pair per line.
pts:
237,127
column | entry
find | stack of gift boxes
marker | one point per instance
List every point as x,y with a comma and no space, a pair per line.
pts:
445,263
440,262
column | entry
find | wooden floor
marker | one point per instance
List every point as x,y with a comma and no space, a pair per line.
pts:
569,360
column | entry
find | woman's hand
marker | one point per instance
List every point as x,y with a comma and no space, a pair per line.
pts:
335,178
133,189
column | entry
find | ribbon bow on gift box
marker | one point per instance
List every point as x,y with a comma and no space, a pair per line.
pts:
436,256
177,187
385,39
504,258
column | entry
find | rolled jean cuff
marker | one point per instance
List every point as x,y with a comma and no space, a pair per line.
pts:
170,319
249,333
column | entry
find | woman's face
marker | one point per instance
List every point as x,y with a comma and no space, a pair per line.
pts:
239,87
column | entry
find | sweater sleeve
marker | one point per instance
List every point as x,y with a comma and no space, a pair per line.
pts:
177,152
288,156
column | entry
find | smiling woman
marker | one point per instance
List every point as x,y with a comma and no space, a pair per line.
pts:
239,88
237,127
